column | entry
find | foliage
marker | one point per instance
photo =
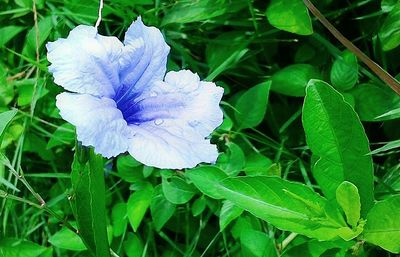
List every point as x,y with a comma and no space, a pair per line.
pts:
309,146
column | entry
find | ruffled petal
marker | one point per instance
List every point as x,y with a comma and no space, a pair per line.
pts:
98,122
86,62
143,60
170,122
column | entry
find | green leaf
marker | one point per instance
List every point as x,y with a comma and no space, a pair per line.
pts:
335,135
187,11
10,247
372,101
292,80
66,239
198,206
348,198
8,33
252,105
257,164
161,209
88,183
389,33
5,119
389,146
257,244
344,72
133,246
137,205
383,224
45,26
229,212
129,169
206,179
224,52
286,205
232,160
64,134
290,15
177,191
119,219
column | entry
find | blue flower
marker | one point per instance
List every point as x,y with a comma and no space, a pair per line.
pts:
121,100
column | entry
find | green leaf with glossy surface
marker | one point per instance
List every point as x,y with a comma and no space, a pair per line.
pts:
383,224
287,205
290,15
292,80
89,189
5,119
66,239
348,198
252,105
335,134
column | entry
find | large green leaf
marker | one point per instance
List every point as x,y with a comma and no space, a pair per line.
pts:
87,180
389,32
292,80
257,244
286,205
252,105
290,15
383,224
10,247
335,134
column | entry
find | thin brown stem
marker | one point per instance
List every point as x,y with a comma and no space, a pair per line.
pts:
378,70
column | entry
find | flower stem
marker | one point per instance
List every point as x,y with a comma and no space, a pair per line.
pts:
379,71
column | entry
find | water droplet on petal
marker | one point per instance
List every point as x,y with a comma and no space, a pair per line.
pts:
158,122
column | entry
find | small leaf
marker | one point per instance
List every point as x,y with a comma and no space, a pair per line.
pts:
199,205
389,33
389,146
252,105
344,72
257,244
119,219
383,224
66,239
229,212
232,160
177,191
292,80
348,198
206,179
137,205
8,33
161,209
290,15
5,119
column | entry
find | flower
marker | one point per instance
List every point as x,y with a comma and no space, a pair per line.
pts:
120,98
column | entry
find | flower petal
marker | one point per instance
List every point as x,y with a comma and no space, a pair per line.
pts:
171,122
86,62
98,122
143,60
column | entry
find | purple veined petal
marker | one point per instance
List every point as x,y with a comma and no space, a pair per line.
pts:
171,122
143,61
86,62
98,122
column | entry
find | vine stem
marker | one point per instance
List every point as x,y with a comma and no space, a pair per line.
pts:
287,241
378,70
